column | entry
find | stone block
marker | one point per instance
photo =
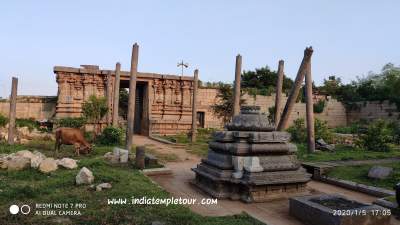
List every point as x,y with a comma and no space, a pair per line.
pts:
380,172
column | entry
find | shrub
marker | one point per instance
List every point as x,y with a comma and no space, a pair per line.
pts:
30,123
3,121
76,122
319,106
299,131
377,137
110,136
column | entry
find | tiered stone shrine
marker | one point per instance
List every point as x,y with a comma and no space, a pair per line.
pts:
251,161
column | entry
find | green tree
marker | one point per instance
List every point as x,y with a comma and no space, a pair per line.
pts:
224,106
264,81
94,109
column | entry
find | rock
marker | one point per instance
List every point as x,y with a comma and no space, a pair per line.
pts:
85,176
123,155
35,162
67,163
380,172
103,186
23,132
109,156
322,145
18,163
48,165
25,153
116,151
3,163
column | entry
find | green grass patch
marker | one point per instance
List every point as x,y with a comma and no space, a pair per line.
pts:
343,152
359,174
30,187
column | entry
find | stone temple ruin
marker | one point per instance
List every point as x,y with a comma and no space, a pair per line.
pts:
251,161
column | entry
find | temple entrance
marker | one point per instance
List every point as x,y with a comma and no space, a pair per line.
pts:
138,108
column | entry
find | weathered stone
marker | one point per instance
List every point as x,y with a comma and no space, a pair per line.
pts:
35,162
103,186
310,210
252,164
238,164
25,153
18,163
85,176
48,165
150,160
250,120
322,145
380,172
140,155
67,163
123,155
3,163
223,161
243,148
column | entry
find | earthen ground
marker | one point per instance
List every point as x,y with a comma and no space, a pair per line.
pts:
272,213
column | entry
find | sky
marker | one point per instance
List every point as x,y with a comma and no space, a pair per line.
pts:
349,38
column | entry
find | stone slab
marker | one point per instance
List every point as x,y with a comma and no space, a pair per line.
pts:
307,210
240,148
279,177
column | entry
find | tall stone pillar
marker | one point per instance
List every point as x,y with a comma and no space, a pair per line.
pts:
116,94
236,94
194,106
278,96
310,110
132,97
109,95
295,90
13,110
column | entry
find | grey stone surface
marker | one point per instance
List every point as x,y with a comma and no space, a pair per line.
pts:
320,144
123,156
308,210
223,161
85,176
243,148
380,172
18,163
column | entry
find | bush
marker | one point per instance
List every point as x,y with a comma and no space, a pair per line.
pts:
76,122
377,137
110,136
30,123
319,106
299,131
3,121
394,127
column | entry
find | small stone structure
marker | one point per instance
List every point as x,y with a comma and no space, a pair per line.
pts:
251,162
336,209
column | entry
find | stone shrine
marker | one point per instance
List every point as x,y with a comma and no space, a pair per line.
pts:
251,161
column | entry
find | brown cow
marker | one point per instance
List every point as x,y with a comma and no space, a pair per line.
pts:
72,136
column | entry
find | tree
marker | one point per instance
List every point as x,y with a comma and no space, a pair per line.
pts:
224,107
94,109
264,81
123,103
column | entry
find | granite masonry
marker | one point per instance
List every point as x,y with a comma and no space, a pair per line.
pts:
251,161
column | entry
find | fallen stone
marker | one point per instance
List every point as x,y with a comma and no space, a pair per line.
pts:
123,155
105,186
48,165
109,156
39,154
18,163
379,172
3,163
85,176
67,163
25,153
322,145
35,162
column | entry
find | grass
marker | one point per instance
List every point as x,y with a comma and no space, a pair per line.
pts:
200,147
359,174
30,187
343,152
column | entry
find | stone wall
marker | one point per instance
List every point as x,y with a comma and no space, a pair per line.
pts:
334,112
36,107
373,110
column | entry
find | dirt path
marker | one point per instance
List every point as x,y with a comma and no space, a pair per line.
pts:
271,213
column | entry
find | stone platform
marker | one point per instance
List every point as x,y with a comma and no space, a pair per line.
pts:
251,162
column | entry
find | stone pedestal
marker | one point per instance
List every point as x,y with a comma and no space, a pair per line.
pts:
251,161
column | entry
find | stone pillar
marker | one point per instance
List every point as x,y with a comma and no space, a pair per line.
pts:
278,96
295,90
109,96
194,107
13,110
236,94
116,94
140,157
132,98
310,110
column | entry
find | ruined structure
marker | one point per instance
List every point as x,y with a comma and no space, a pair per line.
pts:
251,161
163,102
